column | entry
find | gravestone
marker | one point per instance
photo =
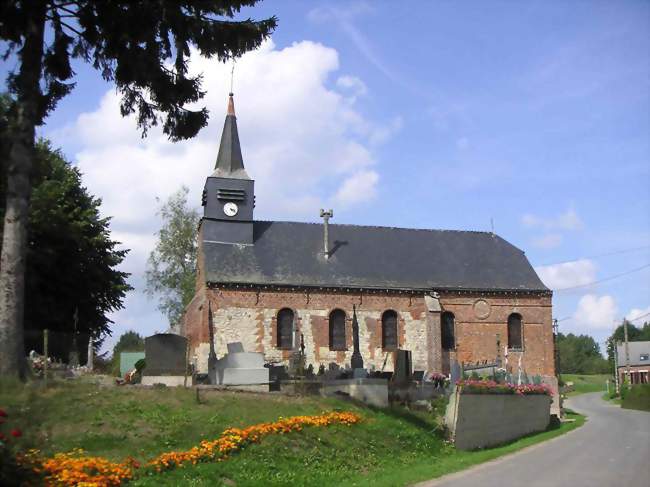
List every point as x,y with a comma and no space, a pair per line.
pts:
128,360
455,374
239,368
403,366
165,356
235,347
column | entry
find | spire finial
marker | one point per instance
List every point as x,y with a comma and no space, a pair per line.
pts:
231,104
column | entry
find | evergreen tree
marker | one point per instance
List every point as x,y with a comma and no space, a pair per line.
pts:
171,268
142,46
71,259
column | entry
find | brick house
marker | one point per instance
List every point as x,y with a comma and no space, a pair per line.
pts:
639,354
444,295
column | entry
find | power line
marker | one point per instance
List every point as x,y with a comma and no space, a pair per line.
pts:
615,252
639,317
603,280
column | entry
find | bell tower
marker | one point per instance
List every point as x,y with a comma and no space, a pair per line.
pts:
228,196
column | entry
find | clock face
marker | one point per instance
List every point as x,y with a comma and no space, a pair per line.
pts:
230,209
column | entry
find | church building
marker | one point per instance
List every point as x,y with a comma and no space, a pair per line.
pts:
444,295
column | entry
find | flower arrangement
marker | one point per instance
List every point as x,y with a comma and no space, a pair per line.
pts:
235,439
78,469
473,386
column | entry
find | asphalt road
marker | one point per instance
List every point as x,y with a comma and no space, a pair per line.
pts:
611,449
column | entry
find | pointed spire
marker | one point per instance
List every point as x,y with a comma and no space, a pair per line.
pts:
230,163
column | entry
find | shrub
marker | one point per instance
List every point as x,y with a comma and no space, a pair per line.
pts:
491,387
636,397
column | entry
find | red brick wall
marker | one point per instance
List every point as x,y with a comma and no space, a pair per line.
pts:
249,315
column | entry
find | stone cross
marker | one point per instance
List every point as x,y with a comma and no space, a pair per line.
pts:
73,358
326,215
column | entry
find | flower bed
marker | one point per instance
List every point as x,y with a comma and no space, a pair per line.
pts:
471,386
76,468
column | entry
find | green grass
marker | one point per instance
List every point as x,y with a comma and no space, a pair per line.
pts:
637,397
390,447
586,383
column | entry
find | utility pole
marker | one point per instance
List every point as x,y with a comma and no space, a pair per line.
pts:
627,353
556,329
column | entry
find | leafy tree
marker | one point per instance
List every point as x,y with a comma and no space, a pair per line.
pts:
129,341
634,334
171,268
71,259
141,46
580,354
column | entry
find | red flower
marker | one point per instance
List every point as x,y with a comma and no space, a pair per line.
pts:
2,413
16,433
2,437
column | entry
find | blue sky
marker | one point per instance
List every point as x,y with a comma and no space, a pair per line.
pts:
439,115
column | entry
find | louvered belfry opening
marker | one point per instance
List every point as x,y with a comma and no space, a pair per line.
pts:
389,330
447,332
285,328
337,330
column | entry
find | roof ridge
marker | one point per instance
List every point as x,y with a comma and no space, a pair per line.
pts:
378,226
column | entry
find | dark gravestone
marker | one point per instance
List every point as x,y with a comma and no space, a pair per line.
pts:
357,359
235,347
403,366
456,373
165,354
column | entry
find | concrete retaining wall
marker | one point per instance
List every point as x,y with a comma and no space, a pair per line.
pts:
484,420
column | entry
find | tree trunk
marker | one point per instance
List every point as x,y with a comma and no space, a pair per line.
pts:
14,240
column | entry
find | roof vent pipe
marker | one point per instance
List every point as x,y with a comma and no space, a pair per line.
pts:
326,215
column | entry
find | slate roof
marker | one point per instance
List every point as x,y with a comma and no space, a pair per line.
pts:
636,350
230,163
289,253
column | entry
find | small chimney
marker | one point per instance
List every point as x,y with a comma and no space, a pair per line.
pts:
326,215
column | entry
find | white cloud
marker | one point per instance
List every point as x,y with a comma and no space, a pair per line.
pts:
358,187
635,313
569,220
548,241
595,312
352,84
567,274
302,140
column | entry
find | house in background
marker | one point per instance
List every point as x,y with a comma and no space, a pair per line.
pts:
639,362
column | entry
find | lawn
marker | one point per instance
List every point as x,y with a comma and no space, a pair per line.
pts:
390,447
586,383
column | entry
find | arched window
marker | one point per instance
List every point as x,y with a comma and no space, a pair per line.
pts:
389,330
285,328
337,330
447,332
515,332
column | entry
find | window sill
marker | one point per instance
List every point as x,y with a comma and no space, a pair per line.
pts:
515,349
